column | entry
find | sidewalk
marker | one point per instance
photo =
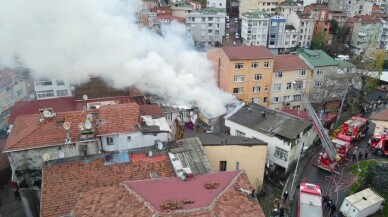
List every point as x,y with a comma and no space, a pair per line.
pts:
9,206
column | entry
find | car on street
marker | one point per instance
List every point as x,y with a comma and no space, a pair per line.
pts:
227,19
237,36
227,35
236,20
227,25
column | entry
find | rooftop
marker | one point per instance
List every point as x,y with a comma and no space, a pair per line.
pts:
6,78
306,116
345,64
317,58
64,185
317,6
364,19
248,52
169,18
212,10
30,132
151,197
290,4
381,116
152,110
290,27
288,62
274,122
62,104
218,139
4,163
97,88
255,14
304,16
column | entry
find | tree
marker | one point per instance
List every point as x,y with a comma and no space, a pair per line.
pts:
319,42
333,26
342,34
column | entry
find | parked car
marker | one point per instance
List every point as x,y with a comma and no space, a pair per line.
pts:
237,36
227,25
227,19
227,35
236,20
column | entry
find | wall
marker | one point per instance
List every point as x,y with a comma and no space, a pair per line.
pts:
138,140
250,158
380,123
54,87
246,5
216,4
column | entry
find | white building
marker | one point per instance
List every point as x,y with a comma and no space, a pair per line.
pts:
254,28
221,4
268,6
50,88
285,8
384,35
304,24
285,134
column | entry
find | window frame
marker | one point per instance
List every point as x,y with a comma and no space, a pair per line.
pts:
277,89
253,64
258,77
238,66
281,154
278,74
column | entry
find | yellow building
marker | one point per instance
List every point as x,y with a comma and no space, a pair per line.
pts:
244,71
228,153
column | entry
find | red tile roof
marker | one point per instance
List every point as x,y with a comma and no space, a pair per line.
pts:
381,116
364,19
6,78
169,18
145,197
81,105
247,52
4,163
62,104
63,184
289,62
153,110
28,132
305,115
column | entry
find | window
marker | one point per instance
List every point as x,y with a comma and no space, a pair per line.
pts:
258,77
238,90
297,97
279,153
318,84
62,93
20,92
239,78
239,133
302,72
45,93
222,166
277,87
278,74
128,138
276,99
168,116
44,83
288,86
256,89
265,99
109,140
256,100
237,165
320,72
239,66
255,65
60,82
316,95
286,98
267,64
266,88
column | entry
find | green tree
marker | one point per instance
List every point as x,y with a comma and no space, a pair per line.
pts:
342,33
319,42
333,26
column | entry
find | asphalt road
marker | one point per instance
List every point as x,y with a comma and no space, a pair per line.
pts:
312,174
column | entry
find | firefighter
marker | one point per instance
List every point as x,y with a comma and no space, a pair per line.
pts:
360,154
354,151
366,153
285,196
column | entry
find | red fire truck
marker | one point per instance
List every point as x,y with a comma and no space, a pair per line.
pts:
379,144
356,127
310,201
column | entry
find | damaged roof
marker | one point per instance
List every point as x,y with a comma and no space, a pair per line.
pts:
274,122
215,139
97,88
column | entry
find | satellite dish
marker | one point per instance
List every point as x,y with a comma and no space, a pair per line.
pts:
81,126
85,97
66,125
150,154
160,146
46,157
46,113
88,124
61,154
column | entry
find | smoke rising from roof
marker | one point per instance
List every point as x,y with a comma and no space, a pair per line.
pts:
72,39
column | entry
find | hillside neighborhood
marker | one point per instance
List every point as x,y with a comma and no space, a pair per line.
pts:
194,108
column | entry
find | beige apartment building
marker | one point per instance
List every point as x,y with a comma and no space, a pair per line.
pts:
268,6
244,71
287,69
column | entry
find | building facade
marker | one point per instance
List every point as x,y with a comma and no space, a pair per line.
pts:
320,13
50,88
268,6
276,32
304,24
221,4
254,28
244,71
284,9
207,26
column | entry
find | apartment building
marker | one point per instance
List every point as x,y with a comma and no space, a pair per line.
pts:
284,9
384,35
221,4
339,16
268,6
304,24
51,88
244,71
365,31
207,26
352,7
320,13
290,37
254,27
287,68
276,32
181,8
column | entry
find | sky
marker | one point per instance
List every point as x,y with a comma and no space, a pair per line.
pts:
73,39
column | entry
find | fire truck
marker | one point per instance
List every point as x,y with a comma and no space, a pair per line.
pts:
336,150
310,201
379,143
356,127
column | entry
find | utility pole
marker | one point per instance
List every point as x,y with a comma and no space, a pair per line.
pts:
342,104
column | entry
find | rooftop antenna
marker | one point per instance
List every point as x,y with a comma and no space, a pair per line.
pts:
46,157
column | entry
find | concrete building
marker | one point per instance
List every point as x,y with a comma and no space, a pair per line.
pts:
320,13
268,6
276,33
351,7
229,153
221,4
304,24
254,27
181,8
290,37
339,16
207,26
284,9
365,33
381,120
272,127
51,88
244,71
286,69
384,34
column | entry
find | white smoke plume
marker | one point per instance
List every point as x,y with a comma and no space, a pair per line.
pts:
71,39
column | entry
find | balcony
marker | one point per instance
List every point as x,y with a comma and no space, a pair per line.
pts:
362,34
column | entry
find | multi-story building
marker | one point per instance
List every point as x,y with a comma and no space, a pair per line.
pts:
339,16
287,69
244,71
207,26
268,6
351,7
51,88
276,32
384,35
365,33
221,4
284,9
181,8
290,37
304,24
254,28
320,13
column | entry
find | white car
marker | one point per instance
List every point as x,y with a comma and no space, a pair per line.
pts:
236,20
237,36
227,25
227,35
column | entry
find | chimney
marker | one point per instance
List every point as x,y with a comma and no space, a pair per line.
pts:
263,114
